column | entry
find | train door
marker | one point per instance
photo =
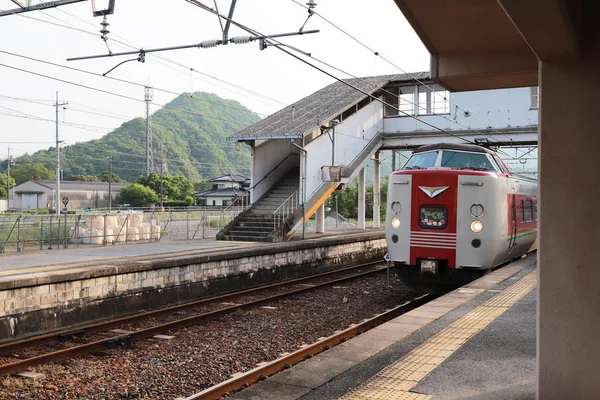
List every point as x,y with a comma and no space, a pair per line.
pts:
513,218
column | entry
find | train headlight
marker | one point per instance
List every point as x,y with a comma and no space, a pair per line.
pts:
395,223
396,207
476,226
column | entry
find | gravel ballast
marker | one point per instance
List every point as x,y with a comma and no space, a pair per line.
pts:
203,355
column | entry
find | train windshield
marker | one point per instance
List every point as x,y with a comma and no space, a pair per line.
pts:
463,160
422,160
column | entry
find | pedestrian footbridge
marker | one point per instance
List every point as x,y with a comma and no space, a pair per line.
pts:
305,152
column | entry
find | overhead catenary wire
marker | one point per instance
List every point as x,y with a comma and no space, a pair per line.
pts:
134,46
278,44
113,93
141,85
413,76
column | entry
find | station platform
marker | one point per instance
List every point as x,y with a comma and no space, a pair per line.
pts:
86,255
477,342
51,290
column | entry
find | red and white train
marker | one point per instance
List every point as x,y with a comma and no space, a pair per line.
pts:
454,212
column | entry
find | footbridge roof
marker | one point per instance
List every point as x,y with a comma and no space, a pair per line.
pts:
301,118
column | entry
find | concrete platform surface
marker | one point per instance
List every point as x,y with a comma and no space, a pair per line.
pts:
86,255
477,342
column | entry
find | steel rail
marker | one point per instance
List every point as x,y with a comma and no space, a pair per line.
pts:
9,347
18,366
270,368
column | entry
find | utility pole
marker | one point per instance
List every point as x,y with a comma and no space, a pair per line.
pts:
57,198
162,163
109,183
148,97
8,181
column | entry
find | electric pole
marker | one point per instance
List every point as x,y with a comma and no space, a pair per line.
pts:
162,163
8,181
149,150
57,198
109,183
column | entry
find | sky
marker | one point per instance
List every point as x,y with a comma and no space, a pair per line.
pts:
264,81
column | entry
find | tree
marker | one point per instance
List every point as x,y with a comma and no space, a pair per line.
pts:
103,177
84,178
26,172
138,195
174,187
3,192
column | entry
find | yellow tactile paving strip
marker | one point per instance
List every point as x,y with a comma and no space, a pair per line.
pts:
395,381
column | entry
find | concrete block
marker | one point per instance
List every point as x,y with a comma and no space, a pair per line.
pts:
104,280
31,375
121,287
163,337
4,294
88,282
31,301
148,282
42,289
95,291
58,287
110,288
48,299
65,296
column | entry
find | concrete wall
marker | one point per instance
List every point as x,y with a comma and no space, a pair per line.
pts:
569,276
352,135
34,303
264,158
77,198
498,109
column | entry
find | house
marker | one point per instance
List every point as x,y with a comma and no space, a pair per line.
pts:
42,193
225,189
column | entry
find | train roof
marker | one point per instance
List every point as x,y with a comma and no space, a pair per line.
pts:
453,146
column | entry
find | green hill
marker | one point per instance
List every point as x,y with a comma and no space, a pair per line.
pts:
194,145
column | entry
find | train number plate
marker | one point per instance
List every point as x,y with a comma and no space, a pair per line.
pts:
429,266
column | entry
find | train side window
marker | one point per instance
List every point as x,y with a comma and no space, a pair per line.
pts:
535,210
528,210
522,210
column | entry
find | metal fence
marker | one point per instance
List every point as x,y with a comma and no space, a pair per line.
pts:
20,233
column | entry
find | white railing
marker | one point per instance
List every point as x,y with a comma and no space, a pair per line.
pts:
285,210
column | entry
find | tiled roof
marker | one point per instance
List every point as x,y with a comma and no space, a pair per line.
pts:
227,192
300,118
230,178
79,185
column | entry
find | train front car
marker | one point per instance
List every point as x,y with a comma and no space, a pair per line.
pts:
455,212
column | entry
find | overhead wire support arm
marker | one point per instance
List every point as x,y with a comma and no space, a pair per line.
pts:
204,44
35,7
228,23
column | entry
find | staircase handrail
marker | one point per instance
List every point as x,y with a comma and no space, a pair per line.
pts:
287,208
262,179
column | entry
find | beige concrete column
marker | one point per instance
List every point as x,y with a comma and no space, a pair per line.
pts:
320,219
376,191
569,251
361,199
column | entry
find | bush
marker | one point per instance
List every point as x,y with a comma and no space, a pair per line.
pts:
138,195
175,203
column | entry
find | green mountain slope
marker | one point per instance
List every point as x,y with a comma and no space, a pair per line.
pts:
194,145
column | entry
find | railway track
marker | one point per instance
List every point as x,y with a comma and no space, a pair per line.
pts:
129,337
261,372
